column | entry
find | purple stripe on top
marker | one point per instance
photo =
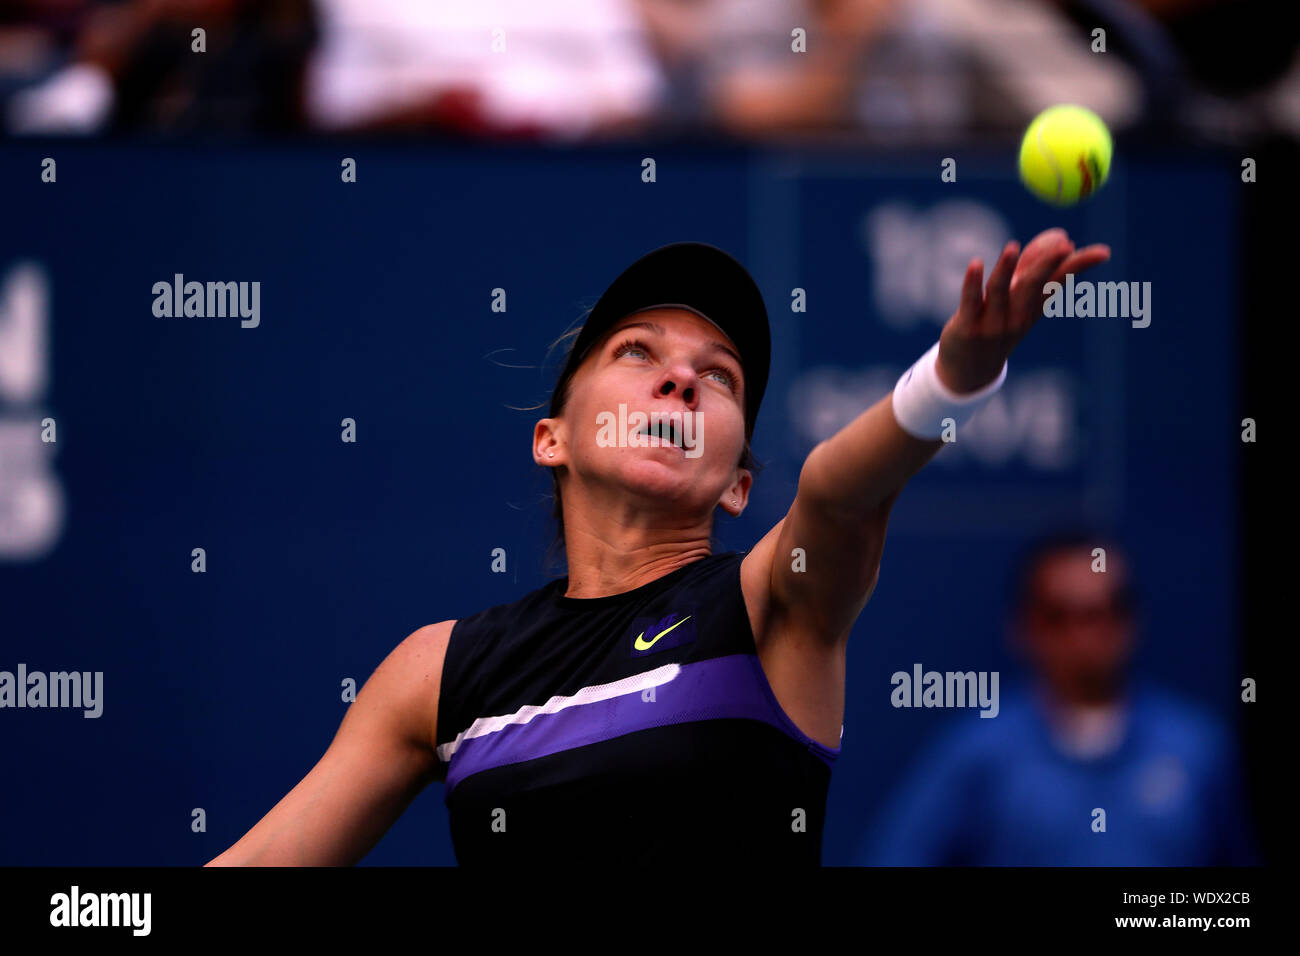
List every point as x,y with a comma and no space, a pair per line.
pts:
719,688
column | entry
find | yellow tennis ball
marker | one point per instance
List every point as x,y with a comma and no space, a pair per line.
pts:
1065,155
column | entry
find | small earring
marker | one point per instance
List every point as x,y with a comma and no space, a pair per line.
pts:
550,454
733,501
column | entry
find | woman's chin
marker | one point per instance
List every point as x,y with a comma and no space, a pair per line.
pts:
664,473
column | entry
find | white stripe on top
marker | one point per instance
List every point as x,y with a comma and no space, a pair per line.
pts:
588,695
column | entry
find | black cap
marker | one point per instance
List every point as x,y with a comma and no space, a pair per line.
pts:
703,278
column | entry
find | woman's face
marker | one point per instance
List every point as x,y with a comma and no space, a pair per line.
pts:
657,409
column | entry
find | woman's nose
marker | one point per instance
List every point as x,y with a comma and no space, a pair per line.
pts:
670,385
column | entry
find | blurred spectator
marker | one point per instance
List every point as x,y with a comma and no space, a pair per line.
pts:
36,38
910,67
135,68
1022,788
564,68
732,63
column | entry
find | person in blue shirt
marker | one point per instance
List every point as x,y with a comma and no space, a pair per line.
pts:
1086,767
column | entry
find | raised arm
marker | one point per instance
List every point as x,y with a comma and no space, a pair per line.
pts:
379,761
850,481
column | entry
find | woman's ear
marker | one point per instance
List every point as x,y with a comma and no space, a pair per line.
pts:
547,446
736,496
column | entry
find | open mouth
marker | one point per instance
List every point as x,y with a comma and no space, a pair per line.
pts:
666,432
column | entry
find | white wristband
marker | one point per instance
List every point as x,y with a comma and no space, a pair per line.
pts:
922,401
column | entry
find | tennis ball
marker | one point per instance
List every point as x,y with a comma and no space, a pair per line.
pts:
1065,155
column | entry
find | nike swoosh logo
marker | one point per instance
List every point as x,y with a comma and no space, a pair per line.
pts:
642,645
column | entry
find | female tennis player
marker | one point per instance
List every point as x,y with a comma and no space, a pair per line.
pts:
661,703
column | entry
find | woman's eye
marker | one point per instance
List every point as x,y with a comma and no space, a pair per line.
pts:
728,379
629,347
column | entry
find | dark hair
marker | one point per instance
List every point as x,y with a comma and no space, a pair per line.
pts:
563,387
1038,551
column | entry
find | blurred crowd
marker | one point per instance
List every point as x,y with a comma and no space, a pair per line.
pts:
582,69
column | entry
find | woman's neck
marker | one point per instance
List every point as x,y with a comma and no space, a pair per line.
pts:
600,569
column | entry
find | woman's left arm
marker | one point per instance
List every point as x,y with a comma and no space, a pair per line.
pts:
850,481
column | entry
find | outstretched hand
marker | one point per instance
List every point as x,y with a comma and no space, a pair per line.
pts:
990,322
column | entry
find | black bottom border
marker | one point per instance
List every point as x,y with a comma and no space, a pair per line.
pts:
251,905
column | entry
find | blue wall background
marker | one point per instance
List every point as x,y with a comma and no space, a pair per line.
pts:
222,689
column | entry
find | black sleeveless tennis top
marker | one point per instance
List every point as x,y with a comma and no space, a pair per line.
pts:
632,728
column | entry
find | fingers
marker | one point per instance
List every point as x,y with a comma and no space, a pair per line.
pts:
1043,244
1082,260
972,294
998,303
1027,286
1042,257
1012,300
